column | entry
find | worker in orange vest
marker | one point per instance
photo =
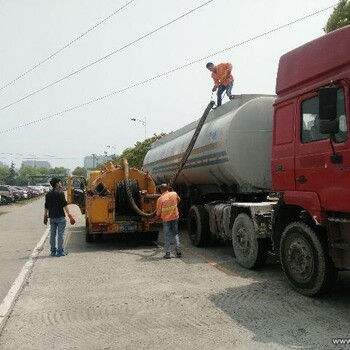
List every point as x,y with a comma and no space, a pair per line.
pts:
223,79
168,213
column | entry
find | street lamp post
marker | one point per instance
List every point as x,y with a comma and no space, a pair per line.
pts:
113,147
109,146
143,122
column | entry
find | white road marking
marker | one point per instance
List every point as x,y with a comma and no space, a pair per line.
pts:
7,304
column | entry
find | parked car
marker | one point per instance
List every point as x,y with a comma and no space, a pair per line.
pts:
3,200
46,186
6,194
17,194
33,191
25,194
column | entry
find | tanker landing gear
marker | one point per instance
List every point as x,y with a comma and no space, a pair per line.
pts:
251,252
305,260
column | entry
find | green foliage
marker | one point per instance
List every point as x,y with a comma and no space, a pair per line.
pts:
25,173
28,174
59,171
99,166
4,173
11,175
80,171
339,18
135,155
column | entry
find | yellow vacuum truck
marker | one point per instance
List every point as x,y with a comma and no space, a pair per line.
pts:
115,200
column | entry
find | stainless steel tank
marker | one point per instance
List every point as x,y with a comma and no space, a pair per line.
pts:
233,148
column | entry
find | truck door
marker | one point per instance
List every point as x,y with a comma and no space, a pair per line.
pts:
315,168
76,191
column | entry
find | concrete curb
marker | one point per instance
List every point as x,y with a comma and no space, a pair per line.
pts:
9,301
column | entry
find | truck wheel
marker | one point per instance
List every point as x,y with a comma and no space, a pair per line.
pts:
198,226
305,260
88,237
250,251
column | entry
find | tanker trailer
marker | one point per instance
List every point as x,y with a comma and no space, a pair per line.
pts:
310,164
104,201
226,181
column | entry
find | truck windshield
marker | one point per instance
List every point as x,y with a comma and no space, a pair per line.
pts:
310,130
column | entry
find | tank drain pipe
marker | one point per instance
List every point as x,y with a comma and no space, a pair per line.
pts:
191,144
176,173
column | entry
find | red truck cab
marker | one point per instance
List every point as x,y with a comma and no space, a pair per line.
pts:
310,162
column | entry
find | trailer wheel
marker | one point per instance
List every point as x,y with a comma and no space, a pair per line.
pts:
88,237
198,226
305,260
250,251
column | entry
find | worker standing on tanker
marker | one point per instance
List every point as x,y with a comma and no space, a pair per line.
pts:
168,213
55,206
223,79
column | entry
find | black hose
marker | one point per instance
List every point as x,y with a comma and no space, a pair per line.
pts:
130,197
176,173
191,144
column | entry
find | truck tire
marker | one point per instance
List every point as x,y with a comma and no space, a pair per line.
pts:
305,260
251,252
198,226
88,237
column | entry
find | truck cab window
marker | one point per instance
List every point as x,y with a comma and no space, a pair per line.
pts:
310,121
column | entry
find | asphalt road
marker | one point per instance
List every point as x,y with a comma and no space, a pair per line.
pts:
21,226
122,294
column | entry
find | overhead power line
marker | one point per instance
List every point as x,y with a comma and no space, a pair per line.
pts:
36,156
162,74
64,47
26,155
42,158
107,56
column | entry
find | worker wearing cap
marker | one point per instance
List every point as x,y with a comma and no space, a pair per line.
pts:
55,206
168,213
223,79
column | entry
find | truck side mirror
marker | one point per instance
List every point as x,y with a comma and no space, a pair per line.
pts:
329,123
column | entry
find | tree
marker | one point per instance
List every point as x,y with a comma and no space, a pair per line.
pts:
3,174
80,171
11,175
339,18
59,171
28,175
135,155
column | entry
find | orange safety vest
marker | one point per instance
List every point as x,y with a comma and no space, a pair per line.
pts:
222,77
167,206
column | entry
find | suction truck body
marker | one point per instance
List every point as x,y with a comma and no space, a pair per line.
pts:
271,173
104,200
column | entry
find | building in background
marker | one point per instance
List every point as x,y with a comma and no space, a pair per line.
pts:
90,162
37,163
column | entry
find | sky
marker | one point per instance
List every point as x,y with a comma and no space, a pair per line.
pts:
32,31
